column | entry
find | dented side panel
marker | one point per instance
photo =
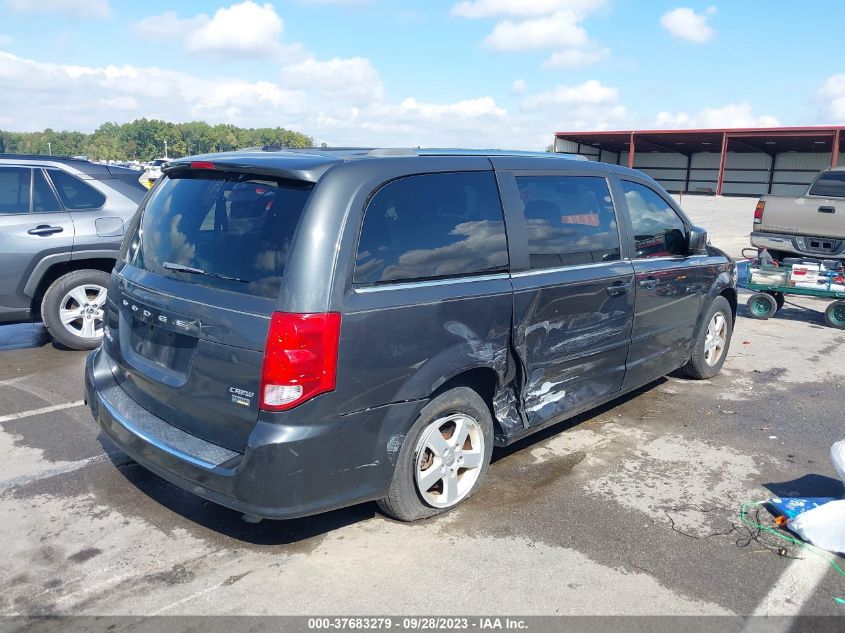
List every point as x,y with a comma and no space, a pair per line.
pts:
572,335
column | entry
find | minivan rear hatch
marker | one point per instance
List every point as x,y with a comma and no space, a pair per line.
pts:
198,283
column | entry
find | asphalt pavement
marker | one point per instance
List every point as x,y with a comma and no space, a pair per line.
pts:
632,509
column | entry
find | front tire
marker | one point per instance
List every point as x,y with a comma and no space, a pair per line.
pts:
711,345
444,457
73,308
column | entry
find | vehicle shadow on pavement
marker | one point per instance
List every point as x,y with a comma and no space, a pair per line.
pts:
223,521
23,336
807,486
793,312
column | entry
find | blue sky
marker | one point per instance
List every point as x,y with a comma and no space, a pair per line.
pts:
484,73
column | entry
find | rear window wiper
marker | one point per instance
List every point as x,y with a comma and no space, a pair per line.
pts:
199,271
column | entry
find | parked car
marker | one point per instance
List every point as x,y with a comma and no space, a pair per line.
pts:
61,225
152,172
294,331
812,225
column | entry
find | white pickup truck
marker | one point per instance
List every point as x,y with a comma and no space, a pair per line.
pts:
810,226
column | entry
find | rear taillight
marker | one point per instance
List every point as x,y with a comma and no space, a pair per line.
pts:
758,212
202,164
300,359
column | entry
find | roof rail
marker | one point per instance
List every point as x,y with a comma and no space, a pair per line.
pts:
45,157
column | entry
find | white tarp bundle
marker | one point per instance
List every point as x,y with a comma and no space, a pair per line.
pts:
837,454
825,526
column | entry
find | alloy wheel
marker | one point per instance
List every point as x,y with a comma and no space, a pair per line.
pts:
716,339
449,457
81,310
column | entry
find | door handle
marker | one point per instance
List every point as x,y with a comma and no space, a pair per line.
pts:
45,229
827,209
650,283
617,289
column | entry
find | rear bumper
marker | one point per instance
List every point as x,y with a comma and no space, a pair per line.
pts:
794,244
287,470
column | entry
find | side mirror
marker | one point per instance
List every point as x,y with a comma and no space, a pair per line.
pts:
697,240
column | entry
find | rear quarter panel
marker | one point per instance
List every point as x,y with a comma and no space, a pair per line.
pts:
399,342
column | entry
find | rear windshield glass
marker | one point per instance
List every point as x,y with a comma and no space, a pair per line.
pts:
830,185
227,231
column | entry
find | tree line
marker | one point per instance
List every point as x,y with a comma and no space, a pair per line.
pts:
144,139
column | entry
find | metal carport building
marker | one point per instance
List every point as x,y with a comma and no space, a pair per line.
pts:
733,162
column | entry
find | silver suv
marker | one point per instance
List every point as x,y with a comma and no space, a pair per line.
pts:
61,224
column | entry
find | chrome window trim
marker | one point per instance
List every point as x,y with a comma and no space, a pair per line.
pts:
430,283
541,271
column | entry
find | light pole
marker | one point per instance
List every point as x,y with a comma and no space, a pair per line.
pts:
165,149
50,148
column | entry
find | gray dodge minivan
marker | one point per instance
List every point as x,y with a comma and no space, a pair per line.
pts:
289,332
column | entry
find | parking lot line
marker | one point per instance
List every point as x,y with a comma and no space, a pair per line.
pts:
795,586
52,472
31,412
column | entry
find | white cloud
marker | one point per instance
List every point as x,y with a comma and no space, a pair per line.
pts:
35,95
352,80
244,29
120,103
538,25
575,58
685,24
519,86
467,109
72,8
344,103
591,92
334,1
732,115
587,106
832,97
560,30
169,25
523,8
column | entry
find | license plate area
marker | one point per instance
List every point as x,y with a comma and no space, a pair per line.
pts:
168,350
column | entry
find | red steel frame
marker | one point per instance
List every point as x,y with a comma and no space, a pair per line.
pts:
727,134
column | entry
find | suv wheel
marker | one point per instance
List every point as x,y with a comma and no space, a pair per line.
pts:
73,308
444,456
710,347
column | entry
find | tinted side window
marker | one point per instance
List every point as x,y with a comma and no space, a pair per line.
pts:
830,185
14,190
658,231
74,193
430,226
569,220
43,198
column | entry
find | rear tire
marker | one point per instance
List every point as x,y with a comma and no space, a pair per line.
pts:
834,316
761,305
711,345
73,308
437,470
